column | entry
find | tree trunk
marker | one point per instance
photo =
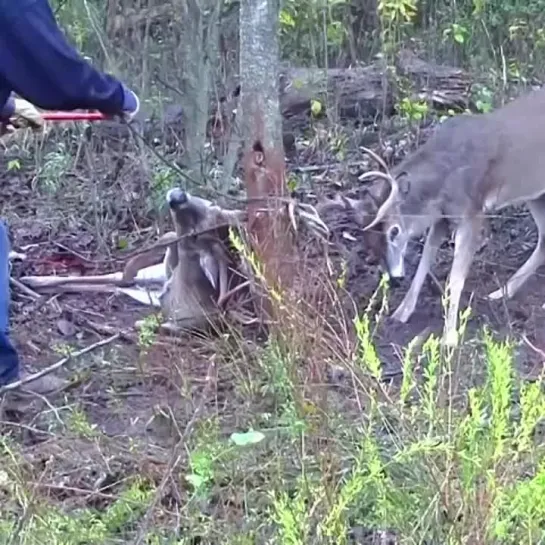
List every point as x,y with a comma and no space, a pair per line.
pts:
262,137
198,59
259,64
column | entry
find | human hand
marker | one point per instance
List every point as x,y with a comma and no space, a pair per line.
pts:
26,113
21,114
131,105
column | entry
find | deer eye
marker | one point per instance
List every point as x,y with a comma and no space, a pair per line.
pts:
393,232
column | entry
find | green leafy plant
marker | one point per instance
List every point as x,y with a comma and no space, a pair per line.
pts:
456,32
310,29
413,110
55,166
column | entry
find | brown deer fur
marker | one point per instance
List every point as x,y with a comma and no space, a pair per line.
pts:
471,165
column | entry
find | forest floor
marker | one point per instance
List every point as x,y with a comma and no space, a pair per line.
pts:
164,410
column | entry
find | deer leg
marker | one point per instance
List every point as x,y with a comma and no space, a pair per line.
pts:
223,279
171,259
433,241
465,245
537,209
152,256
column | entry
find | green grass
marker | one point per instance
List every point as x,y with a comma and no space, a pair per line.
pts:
424,460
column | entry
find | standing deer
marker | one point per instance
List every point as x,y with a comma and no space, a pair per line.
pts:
471,165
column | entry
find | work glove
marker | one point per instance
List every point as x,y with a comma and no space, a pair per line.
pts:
24,115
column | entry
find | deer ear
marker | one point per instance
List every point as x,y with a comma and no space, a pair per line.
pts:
404,183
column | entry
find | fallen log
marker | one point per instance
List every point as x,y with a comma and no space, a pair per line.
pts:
362,94
365,93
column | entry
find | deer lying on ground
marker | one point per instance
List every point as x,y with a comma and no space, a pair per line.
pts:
194,274
191,263
196,268
471,165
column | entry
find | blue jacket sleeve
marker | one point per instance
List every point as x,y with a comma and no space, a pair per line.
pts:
7,106
38,63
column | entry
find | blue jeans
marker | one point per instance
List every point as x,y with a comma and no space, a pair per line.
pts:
9,360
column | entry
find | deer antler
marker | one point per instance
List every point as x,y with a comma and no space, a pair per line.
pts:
310,215
376,157
387,204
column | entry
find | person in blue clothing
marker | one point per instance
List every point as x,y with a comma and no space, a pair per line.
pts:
39,68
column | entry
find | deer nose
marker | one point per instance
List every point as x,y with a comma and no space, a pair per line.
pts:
176,197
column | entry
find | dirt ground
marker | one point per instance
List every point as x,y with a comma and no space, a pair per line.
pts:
130,392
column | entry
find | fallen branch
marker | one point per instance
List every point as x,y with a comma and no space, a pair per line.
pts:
110,279
25,289
329,166
124,335
58,365
165,245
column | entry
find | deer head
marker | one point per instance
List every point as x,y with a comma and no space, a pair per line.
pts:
409,208
190,213
369,213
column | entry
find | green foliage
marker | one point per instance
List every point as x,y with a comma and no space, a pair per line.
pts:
79,527
457,32
14,165
76,17
507,39
54,167
446,473
311,30
163,178
483,98
413,110
396,16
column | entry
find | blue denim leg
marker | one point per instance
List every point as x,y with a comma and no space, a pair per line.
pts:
9,360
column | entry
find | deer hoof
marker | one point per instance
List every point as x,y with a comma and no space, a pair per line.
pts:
497,294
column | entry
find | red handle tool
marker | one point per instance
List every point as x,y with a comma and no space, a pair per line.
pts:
74,116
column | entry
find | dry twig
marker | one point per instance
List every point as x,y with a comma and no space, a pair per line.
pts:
25,289
58,365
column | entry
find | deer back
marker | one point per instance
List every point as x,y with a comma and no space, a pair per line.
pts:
518,173
449,175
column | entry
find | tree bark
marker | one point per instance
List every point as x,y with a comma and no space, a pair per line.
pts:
198,59
264,165
259,51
